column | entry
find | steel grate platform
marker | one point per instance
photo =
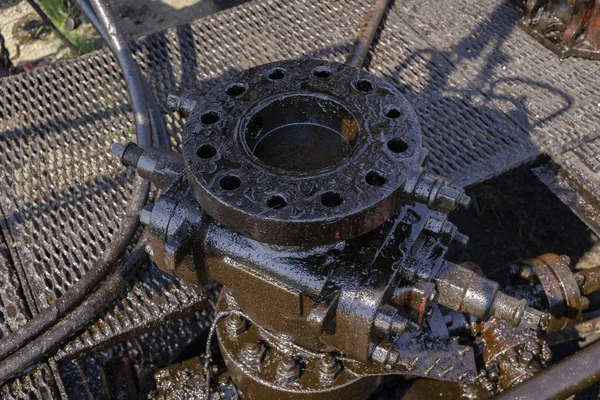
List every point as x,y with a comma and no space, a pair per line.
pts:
489,97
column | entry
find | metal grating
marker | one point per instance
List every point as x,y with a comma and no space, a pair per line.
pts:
489,98
554,102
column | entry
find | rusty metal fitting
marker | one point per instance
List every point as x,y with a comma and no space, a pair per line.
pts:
461,289
588,280
568,28
510,354
557,289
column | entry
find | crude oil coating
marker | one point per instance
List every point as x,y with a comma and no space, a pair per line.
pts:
301,133
299,148
302,147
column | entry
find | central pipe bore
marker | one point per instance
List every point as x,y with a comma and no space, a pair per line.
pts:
301,133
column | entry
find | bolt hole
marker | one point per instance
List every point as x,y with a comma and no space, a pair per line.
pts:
331,199
230,182
277,73
397,145
236,89
276,202
206,151
322,72
374,178
392,113
209,118
364,85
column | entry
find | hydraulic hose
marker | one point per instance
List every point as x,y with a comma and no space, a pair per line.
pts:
76,319
72,298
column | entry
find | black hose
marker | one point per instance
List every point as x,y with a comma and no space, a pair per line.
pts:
76,319
65,303
160,136
87,10
50,315
363,42
122,52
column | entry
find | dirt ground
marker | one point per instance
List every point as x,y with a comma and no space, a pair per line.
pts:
136,18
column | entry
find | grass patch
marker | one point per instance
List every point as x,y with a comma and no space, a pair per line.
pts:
84,37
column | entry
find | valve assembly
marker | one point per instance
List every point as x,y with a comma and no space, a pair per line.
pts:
302,191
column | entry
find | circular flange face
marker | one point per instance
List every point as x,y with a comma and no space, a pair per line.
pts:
302,152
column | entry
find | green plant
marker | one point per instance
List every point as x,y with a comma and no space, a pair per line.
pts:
58,11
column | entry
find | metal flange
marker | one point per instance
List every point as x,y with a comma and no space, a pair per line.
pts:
302,152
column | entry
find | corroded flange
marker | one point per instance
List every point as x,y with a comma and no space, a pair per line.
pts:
302,152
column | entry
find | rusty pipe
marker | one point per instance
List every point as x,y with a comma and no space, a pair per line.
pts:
568,377
367,33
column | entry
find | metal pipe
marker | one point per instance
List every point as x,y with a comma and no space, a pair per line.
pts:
121,49
568,377
363,41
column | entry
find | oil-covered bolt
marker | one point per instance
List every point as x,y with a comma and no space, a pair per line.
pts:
236,325
329,368
252,352
526,272
579,279
436,192
288,370
493,372
546,354
387,320
585,303
526,356
437,224
385,353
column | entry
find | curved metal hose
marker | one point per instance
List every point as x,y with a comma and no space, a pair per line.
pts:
78,318
52,314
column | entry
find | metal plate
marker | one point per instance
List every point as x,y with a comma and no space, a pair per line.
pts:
488,96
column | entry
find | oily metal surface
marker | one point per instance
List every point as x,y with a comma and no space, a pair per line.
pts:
263,166
487,95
